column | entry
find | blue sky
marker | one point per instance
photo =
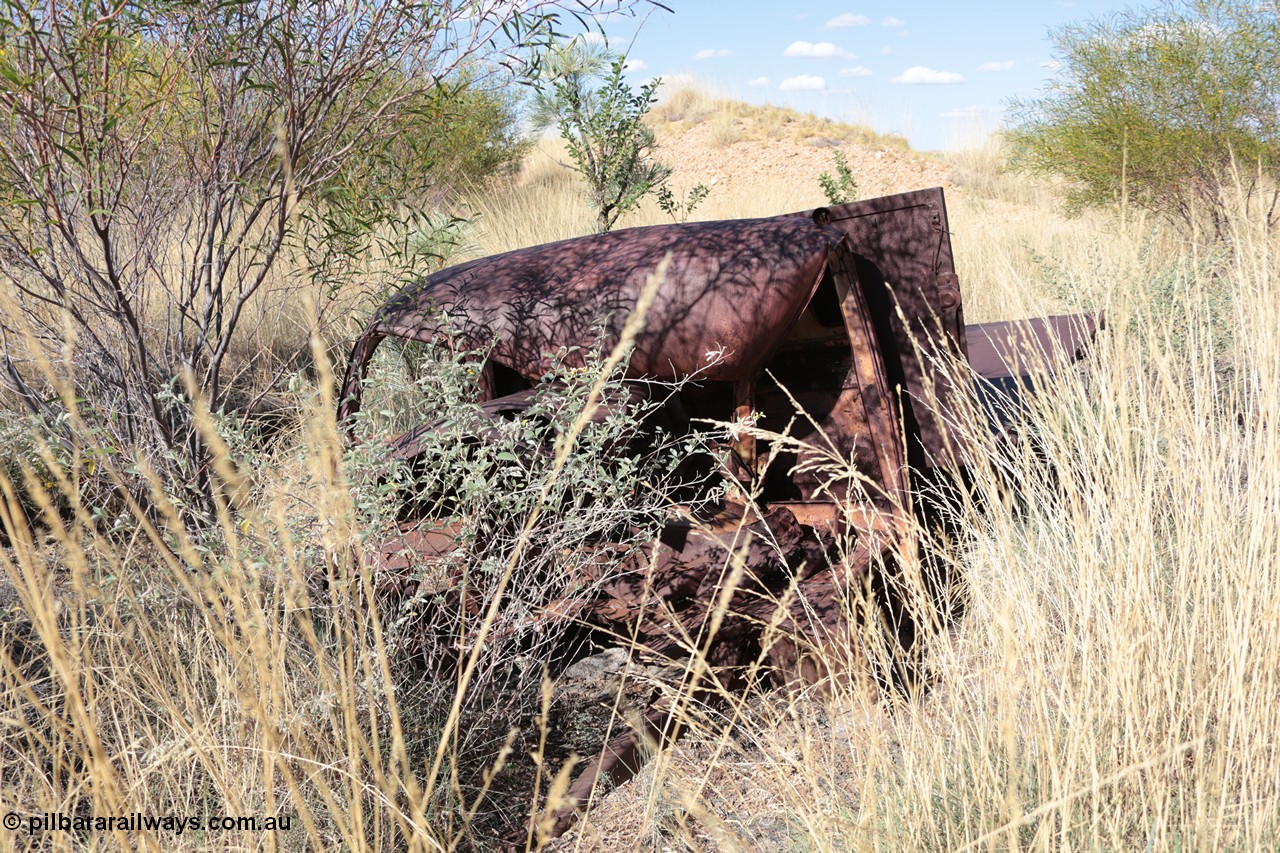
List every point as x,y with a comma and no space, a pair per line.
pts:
939,73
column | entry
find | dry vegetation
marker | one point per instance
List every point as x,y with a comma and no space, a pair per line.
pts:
1112,683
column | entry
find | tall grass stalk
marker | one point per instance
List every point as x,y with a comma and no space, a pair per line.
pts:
1111,683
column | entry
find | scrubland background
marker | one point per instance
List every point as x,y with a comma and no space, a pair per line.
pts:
1113,681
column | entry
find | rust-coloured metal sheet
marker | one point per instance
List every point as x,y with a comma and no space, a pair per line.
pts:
1019,349
901,248
1008,358
732,287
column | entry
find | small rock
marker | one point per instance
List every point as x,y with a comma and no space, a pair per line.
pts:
594,678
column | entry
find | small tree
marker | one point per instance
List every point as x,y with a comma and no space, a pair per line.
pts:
1172,110
159,159
604,129
680,209
841,189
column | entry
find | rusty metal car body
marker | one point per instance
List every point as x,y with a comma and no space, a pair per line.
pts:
846,312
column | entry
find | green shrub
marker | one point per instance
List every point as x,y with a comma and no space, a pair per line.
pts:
1170,110
183,151
523,529
604,128
842,188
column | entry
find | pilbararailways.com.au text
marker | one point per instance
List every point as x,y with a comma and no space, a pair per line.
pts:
138,822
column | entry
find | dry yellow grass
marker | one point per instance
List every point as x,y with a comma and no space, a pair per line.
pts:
1112,684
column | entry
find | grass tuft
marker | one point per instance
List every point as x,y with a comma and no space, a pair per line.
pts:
1110,683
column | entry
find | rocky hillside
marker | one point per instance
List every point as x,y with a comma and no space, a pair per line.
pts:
740,146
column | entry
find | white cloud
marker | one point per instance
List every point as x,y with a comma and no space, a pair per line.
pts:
859,71
712,53
1004,65
820,50
848,19
635,65
886,50
591,37
893,22
1052,64
918,74
802,82
758,81
974,111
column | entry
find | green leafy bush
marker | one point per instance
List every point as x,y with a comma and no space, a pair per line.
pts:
842,188
525,531
609,143
681,209
1171,110
159,161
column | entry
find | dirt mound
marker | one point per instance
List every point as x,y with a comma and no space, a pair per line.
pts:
738,145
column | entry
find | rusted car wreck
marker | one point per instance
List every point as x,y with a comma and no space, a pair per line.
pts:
848,312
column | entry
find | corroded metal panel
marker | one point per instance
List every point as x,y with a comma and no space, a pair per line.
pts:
732,288
902,257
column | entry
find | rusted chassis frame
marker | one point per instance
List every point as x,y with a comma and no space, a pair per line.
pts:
846,310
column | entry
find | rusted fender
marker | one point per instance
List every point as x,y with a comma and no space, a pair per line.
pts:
1009,357
1021,348
734,287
